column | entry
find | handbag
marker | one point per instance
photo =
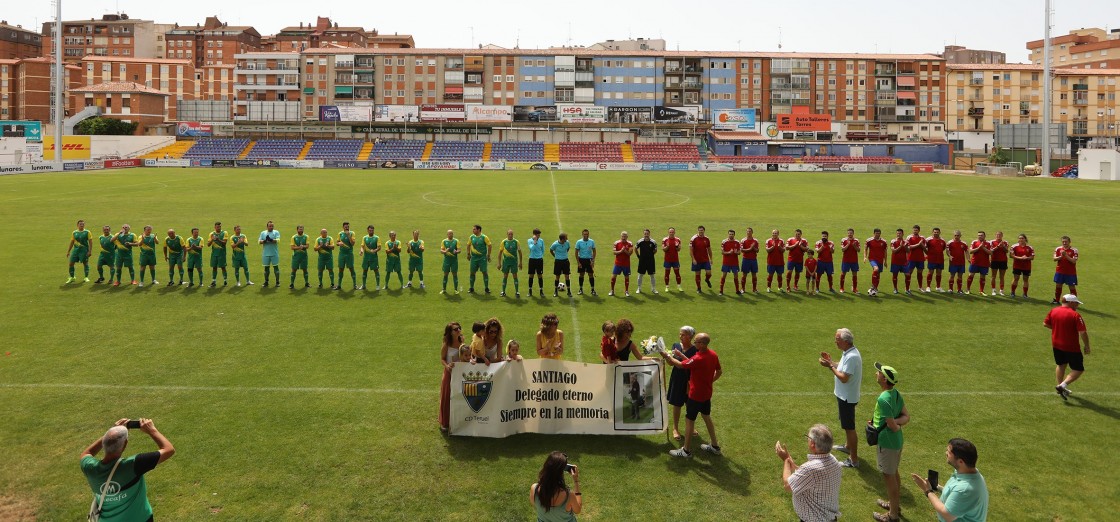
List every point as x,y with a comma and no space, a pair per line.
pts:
872,433
95,505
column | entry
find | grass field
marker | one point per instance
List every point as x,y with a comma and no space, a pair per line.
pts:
317,405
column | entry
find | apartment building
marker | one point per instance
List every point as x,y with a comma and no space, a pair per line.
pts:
959,54
266,77
1090,48
126,101
17,43
323,33
177,78
114,35
212,43
31,94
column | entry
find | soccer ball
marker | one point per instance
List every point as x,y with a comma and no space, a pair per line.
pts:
561,286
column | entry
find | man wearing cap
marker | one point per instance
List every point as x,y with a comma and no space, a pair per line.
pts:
965,495
847,373
816,484
1066,326
890,416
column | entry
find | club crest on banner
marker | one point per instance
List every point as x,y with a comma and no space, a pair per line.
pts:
477,386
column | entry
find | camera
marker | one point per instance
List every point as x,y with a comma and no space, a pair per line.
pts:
133,424
569,467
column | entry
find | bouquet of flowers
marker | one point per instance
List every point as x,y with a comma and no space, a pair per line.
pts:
653,345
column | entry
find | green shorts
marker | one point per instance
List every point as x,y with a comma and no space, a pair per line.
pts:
450,264
79,255
105,258
509,265
370,262
478,264
147,258
123,260
240,261
415,264
194,261
174,259
392,264
299,262
326,262
346,260
218,260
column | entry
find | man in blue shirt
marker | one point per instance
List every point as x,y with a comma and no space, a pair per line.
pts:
561,265
536,260
270,252
965,495
585,256
847,374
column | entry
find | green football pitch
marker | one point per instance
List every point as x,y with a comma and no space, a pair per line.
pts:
319,405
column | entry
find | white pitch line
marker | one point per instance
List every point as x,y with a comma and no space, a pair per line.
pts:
571,304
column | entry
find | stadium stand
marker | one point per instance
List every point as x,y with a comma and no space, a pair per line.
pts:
398,150
646,152
583,151
754,159
217,148
275,149
457,150
517,151
334,150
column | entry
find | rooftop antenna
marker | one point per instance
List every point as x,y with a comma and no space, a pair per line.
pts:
517,43
472,36
779,38
739,45
569,34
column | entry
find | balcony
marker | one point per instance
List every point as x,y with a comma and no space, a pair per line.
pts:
906,117
1081,101
976,112
886,117
976,81
884,71
452,96
1080,87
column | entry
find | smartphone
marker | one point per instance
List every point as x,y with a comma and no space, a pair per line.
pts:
932,477
569,467
133,424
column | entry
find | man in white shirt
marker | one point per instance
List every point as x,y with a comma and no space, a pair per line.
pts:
816,484
847,373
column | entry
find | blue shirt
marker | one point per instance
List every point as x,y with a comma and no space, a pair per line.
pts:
271,248
585,248
850,363
965,496
536,248
560,250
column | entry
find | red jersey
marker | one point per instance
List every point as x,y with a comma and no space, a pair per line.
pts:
957,250
999,250
981,258
898,257
849,250
824,250
749,247
626,247
935,250
877,250
608,349
1022,251
811,265
917,248
774,257
703,366
1065,327
732,246
700,246
794,249
1066,267
671,244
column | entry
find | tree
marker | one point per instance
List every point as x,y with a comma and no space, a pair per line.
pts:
105,127
999,156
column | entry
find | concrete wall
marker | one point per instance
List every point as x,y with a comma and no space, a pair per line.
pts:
1102,164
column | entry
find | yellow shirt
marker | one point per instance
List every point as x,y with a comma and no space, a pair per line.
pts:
549,345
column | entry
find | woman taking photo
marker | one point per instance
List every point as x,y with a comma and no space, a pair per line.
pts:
550,495
448,356
550,339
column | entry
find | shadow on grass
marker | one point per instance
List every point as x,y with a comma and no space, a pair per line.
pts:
1082,402
1095,313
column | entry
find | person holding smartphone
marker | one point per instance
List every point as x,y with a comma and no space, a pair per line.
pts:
550,495
965,495
125,492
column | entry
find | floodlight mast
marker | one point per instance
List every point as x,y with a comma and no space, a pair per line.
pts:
59,102
1046,87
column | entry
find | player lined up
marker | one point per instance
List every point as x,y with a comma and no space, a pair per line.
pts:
914,257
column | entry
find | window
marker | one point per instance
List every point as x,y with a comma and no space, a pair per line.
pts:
419,62
509,78
497,78
400,77
388,61
527,63
540,63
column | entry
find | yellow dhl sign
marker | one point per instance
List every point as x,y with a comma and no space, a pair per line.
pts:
73,148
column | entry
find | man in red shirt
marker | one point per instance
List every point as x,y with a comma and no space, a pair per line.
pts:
981,258
730,248
899,260
875,254
775,261
701,249
795,252
1000,248
1022,255
671,245
704,372
749,247
825,249
935,258
1066,325
1066,271
622,250
849,260
957,250
916,257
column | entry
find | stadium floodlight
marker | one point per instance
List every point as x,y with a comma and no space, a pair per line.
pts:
59,101
1047,82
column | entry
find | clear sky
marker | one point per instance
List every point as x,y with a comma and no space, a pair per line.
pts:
866,26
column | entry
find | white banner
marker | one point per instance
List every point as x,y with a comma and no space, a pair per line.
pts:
301,164
482,165
355,113
490,113
581,113
548,396
401,113
436,165
34,167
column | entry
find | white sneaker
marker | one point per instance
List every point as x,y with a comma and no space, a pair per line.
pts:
681,452
627,294
1001,292
714,450
655,291
638,291
666,288
993,293
141,285
239,284
154,282
679,289
250,283
610,294
940,291
927,290
408,284
421,284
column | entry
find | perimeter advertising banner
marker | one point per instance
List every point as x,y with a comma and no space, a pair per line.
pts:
73,148
629,114
345,112
396,113
734,119
582,113
193,129
32,131
805,122
683,114
442,112
535,113
549,396
490,113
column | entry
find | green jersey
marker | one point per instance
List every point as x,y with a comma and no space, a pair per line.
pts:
345,242
393,249
416,249
106,244
194,246
81,239
123,243
478,246
509,248
174,245
324,245
450,245
218,242
371,243
147,244
238,242
299,240
888,405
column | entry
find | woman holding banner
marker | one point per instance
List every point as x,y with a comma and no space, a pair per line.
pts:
550,495
448,356
678,380
550,339
492,340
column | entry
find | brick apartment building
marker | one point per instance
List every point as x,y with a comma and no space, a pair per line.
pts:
17,43
114,35
954,54
26,92
126,101
176,78
211,43
266,77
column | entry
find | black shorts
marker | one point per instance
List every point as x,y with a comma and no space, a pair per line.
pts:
999,265
1021,272
647,266
692,408
562,266
584,266
847,414
536,266
1075,360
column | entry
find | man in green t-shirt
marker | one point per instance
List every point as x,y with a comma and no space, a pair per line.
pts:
964,497
324,245
510,262
300,244
148,243
237,245
107,255
478,255
371,245
217,242
890,416
117,482
450,250
79,250
346,255
124,241
194,257
415,249
173,249
393,259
